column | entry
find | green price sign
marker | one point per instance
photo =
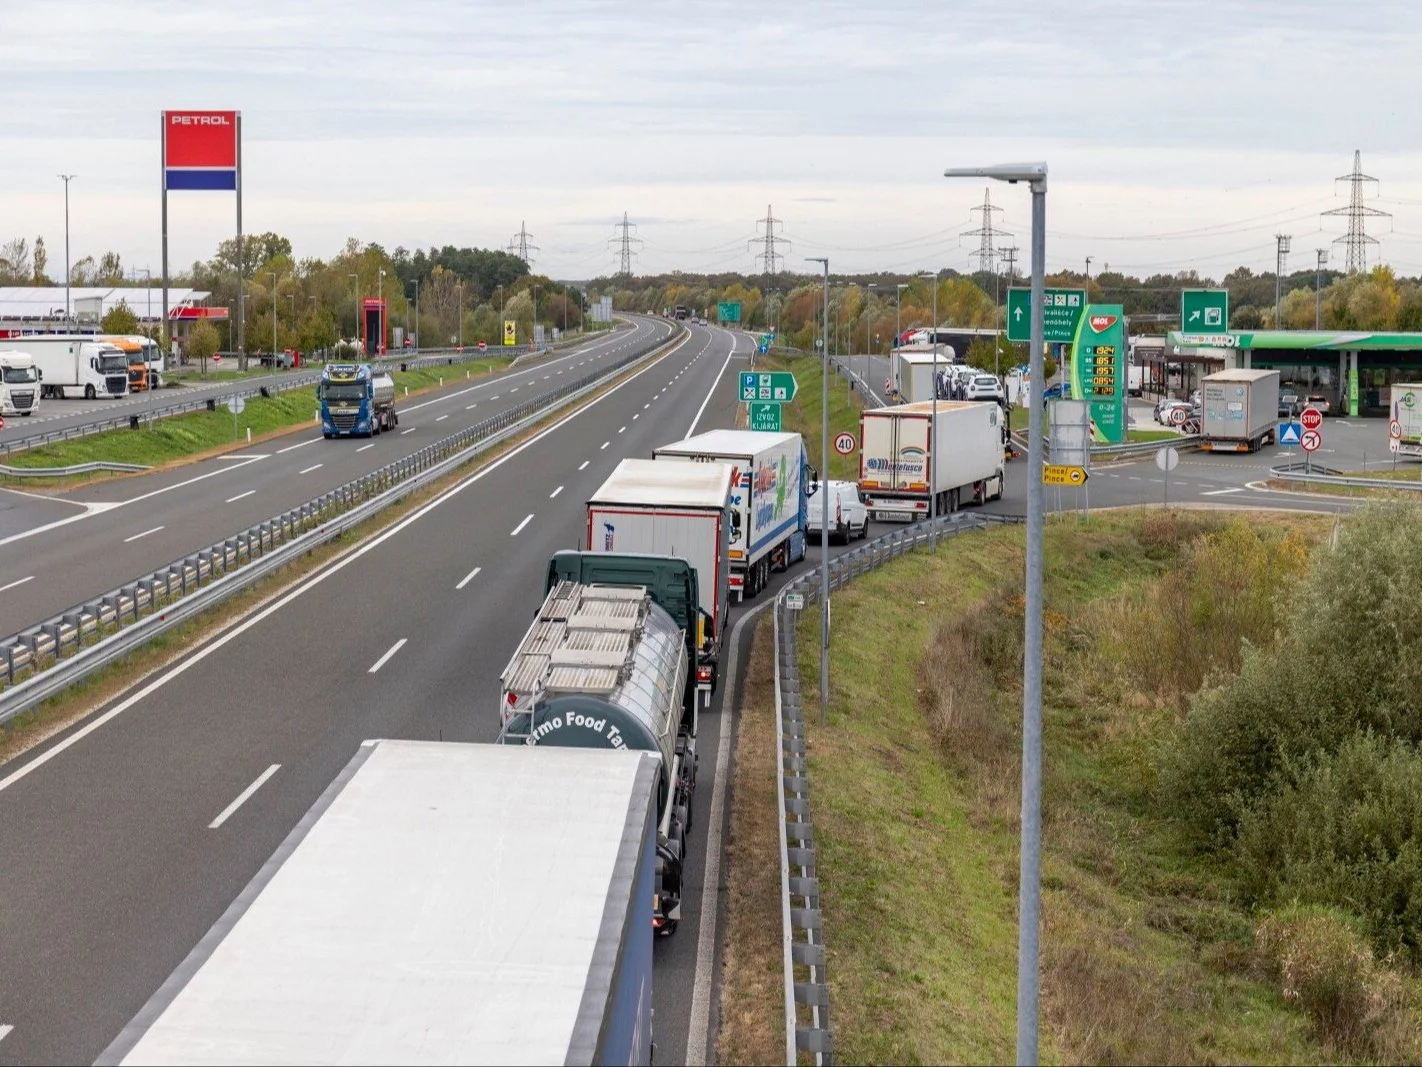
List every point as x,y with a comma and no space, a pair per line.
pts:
1098,370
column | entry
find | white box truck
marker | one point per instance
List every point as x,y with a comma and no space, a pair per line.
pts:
769,498
1405,409
76,365
663,509
905,459
1239,410
439,903
914,370
19,384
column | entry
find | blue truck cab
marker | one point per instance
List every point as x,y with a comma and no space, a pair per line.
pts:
356,400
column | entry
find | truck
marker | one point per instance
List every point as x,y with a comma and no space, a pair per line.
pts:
76,365
913,371
19,384
605,666
906,459
680,511
145,361
1239,410
357,400
770,497
1405,404
1135,380
433,892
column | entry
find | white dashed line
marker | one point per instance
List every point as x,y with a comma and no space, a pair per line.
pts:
584,464
1222,492
471,407
404,432
145,533
519,528
293,448
229,500
383,660
244,796
441,418
16,583
313,467
362,448
604,445
555,492
622,429
468,578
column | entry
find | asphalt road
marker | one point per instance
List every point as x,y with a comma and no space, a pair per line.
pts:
55,551
113,866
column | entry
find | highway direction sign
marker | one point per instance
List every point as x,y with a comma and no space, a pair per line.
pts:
1061,313
1204,310
845,443
1311,440
1167,459
729,311
765,416
1310,418
1290,433
1053,474
778,386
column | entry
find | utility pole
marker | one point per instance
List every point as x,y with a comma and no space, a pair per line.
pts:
1088,271
66,178
824,500
459,286
625,251
273,277
932,433
768,255
1283,241
521,244
1318,288
1356,211
986,254
868,325
898,325
356,287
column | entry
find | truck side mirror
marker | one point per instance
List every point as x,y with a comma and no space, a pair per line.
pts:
708,625
735,520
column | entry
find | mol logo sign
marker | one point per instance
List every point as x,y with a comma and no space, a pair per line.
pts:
1102,323
200,149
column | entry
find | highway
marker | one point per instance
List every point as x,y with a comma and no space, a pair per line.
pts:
128,834
55,551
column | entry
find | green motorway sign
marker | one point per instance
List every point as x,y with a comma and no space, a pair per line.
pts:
778,386
729,311
1098,370
1061,314
765,416
1204,310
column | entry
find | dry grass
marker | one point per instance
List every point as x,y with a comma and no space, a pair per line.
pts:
752,972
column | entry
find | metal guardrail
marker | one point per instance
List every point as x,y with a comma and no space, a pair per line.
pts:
77,468
40,662
260,386
1320,475
1145,448
803,922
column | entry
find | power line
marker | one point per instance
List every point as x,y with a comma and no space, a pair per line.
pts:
1356,239
625,250
768,255
519,245
987,258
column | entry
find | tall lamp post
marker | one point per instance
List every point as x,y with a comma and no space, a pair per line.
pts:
273,277
414,323
380,296
66,179
356,289
459,287
824,499
898,324
868,325
535,315
1030,880
932,496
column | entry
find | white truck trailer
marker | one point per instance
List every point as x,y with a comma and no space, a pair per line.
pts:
680,510
440,903
769,497
76,365
1405,409
19,384
914,369
905,459
1239,410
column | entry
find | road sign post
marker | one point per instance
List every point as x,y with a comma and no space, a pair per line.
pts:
845,444
764,415
1204,310
1061,312
1167,459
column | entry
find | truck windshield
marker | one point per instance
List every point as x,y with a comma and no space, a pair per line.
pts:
19,375
113,362
344,391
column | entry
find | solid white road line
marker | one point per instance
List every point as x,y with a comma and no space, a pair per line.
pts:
293,448
468,578
145,533
519,528
335,568
239,496
1222,492
555,492
244,796
313,467
690,430
404,432
362,448
383,660
19,582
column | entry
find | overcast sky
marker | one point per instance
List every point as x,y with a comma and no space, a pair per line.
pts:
1178,134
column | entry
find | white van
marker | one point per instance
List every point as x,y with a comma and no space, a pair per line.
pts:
848,520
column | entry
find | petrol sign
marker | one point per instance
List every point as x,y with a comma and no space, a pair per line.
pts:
200,149
1204,310
1098,369
775,386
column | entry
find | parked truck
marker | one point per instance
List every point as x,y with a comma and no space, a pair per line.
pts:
906,459
674,510
76,365
914,370
432,894
605,666
1405,403
19,384
357,400
1239,410
770,497
145,361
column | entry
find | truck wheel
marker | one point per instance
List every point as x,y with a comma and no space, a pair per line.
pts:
953,501
89,393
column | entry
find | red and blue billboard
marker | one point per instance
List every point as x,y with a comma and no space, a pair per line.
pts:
200,149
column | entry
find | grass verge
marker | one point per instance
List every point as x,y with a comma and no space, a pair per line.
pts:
1146,957
803,414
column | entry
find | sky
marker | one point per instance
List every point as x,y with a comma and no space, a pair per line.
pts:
1178,135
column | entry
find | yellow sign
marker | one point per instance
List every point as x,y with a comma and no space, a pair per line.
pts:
510,332
1055,474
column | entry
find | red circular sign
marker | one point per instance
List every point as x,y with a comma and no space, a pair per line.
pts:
482,346
1178,416
1311,440
2,422
216,359
1311,418
845,443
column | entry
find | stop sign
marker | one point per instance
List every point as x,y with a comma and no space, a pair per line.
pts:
1311,418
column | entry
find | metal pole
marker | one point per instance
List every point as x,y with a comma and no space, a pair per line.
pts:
1028,947
67,178
241,272
272,275
163,183
824,502
460,287
356,287
415,341
1318,290
933,442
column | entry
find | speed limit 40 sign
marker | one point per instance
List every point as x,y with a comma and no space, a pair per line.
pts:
845,444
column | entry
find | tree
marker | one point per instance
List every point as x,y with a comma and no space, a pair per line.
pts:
120,320
202,343
110,270
41,262
15,266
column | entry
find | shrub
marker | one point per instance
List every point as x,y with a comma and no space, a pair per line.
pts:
972,657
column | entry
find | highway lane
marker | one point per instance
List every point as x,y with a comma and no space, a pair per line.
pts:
64,549
93,927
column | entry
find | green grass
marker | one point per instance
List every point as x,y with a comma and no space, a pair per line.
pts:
1144,957
183,436
1151,435
803,414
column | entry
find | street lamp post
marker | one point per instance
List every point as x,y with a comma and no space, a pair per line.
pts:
414,324
824,499
535,316
273,277
460,288
898,324
933,434
66,178
1030,879
868,325
356,289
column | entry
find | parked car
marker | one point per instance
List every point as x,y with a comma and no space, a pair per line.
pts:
984,387
1319,401
1060,391
1289,404
848,520
1165,407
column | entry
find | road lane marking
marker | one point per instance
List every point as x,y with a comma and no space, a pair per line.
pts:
1222,492
362,448
468,578
441,418
5,1031
710,392
519,528
583,465
404,432
313,467
514,389
604,445
293,448
622,429
636,415
383,660
14,584
239,496
244,796
471,407
145,533
555,492
646,405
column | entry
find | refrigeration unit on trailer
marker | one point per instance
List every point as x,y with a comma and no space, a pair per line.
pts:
770,498
906,459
